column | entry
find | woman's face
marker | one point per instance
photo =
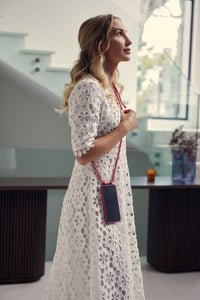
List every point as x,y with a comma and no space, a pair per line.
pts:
119,49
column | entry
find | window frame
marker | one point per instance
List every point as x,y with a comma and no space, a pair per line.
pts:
155,122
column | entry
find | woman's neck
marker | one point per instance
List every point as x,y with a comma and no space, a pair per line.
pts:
111,72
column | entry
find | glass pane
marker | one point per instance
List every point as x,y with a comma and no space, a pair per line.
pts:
163,58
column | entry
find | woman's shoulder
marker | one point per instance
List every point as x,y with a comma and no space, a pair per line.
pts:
87,91
89,84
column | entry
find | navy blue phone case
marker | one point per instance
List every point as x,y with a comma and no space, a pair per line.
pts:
110,203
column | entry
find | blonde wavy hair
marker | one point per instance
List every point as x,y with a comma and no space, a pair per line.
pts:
94,41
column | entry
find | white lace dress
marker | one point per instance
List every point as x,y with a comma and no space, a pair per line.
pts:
93,260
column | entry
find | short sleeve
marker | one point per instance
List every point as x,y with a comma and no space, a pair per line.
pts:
84,115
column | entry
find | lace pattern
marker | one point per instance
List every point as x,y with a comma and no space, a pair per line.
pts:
84,113
84,151
94,260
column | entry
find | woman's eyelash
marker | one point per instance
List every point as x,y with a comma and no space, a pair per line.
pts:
120,33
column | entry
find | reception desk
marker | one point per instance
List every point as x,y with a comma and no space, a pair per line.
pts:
173,225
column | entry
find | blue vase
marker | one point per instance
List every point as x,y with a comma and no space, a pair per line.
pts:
183,166
189,167
178,166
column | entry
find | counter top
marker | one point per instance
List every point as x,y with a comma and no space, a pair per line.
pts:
60,183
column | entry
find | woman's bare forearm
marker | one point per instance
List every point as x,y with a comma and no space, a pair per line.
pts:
104,144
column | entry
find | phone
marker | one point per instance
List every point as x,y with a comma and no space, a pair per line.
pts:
110,203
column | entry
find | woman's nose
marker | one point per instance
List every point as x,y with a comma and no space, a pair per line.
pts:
128,41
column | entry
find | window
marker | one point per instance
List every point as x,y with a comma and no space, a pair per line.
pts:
163,68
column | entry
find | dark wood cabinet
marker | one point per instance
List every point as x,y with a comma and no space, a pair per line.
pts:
174,229
23,208
173,224
22,235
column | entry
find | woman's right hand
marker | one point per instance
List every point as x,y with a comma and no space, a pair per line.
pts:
129,120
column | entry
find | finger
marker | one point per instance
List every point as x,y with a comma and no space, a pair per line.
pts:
121,113
126,111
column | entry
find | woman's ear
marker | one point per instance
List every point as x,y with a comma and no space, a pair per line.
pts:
104,46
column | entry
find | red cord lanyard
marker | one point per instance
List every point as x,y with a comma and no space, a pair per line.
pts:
103,182
121,106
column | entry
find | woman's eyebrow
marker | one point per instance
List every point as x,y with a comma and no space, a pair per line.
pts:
121,29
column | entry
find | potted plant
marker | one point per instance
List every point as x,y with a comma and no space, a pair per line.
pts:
184,147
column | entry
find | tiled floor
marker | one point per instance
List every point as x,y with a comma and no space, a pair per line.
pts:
157,285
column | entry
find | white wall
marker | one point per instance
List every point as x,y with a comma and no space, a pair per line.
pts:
27,116
53,25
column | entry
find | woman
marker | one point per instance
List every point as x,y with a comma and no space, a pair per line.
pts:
94,260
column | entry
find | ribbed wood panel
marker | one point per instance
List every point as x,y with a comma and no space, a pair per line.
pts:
22,235
174,230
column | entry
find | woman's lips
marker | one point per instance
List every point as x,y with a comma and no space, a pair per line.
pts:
128,51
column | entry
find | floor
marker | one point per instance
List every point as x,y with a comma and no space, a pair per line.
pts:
157,285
